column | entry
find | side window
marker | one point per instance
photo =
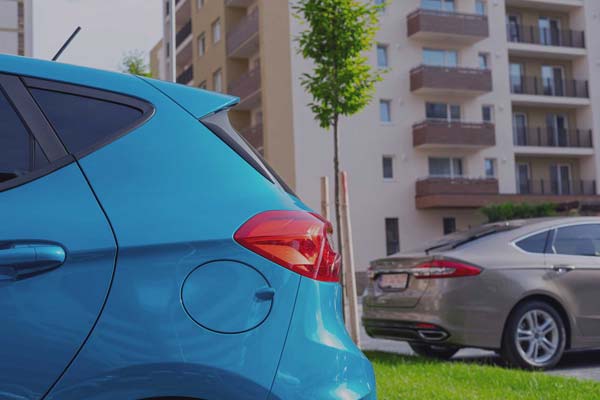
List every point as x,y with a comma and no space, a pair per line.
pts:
84,122
20,153
578,240
535,243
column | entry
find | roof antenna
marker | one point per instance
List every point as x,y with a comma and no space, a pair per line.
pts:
64,46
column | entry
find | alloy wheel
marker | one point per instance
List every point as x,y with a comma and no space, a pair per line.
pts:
537,337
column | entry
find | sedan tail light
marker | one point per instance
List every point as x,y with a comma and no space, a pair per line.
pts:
436,269
297,240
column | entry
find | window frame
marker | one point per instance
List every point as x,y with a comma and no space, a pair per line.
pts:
388,105
146,108
216,38
384,49
37,126
391,160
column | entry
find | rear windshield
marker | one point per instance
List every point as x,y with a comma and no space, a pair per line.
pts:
458,239
219,124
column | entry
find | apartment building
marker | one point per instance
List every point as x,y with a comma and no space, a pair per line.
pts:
15,27
485,101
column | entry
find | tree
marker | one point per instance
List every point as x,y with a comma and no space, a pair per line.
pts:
342,83
134,63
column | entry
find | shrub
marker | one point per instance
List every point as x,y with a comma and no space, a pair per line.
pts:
509,211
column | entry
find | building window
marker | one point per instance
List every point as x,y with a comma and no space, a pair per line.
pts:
442,111
440,5
168,50
484,61
218,81
202,85
445,167
490,168
382,56
480,7
200,4
392,236
440,58
385,111
487,113
167,7
216,31
201,44
388,167
449,225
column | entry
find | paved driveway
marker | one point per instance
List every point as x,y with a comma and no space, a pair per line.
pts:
583,365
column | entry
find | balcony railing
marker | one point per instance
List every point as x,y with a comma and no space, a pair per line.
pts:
254,136
541,187
242,32
457,186
246,85
186,76
447,23
551,137
456,79
454,133
546,37
183,33
549,87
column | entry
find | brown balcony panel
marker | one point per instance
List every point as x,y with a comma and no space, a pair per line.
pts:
453,134
451,80
242,39
454,192
247,88
254,136
431,24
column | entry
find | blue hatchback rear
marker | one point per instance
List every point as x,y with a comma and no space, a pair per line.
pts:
146,251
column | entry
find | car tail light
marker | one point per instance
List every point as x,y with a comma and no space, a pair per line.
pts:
436,269
297,240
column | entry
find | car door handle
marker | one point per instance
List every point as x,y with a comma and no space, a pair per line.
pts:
563,268
22,260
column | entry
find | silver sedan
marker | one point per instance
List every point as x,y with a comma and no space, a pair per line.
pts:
529,290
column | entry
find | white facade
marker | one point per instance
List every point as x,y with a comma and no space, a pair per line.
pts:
15,27
365,140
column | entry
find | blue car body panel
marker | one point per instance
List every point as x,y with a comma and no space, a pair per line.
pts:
46,318
190,312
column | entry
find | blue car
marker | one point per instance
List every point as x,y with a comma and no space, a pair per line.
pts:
147,252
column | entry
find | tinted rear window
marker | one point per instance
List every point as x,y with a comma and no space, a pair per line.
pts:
83,122
534,244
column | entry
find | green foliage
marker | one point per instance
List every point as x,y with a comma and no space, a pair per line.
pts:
134,63
509,211
338,34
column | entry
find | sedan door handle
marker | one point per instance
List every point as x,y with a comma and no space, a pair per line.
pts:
563,269
22,260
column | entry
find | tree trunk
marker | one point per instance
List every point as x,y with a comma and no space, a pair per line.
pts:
336,174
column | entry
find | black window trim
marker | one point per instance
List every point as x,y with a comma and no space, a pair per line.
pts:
38,126
547,247
147,109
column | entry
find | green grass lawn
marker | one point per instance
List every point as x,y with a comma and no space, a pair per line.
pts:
407,378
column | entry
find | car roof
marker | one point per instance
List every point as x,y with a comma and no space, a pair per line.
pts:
526,227
196,101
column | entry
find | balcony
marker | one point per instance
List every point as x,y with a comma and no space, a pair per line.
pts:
540,187
549,137
254,136
186,76
439,133
547,5
238,3
242,39
455,192
184,33
546,37
247,88
453,26
428,79
535,91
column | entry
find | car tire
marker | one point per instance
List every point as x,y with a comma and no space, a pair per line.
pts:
433,351
535,337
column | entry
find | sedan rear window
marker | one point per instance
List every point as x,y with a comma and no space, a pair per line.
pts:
535,243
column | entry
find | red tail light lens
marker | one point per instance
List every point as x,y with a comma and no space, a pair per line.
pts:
436,269
297,240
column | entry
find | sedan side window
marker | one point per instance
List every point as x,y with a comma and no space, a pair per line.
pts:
578,240
535,243
20,153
